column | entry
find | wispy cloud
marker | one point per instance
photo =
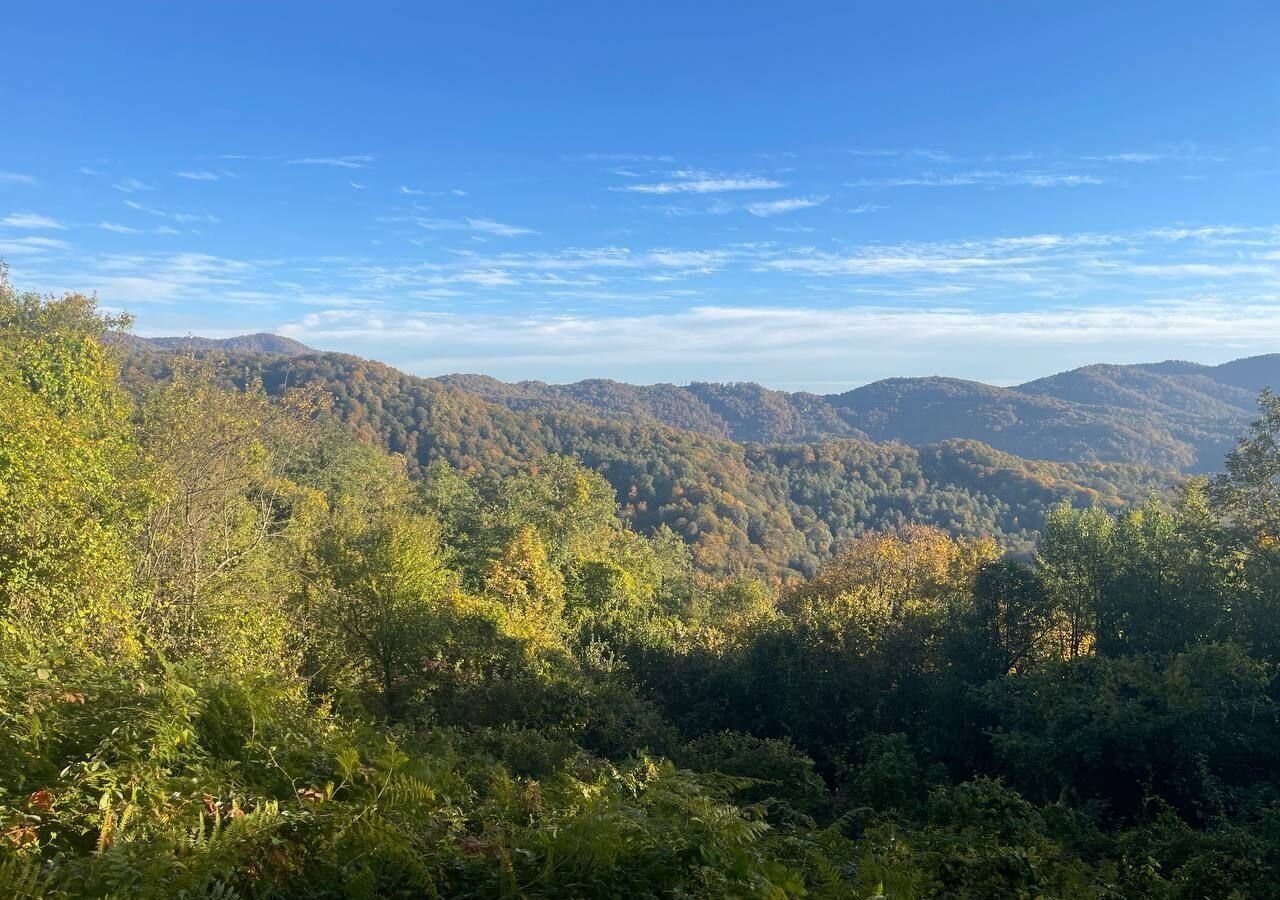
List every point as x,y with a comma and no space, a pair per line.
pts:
31,221
1184,151
118,228
488,226
483,226
1128,157
200,175
413,192
767,208
854,344
163,278
1189,270
30,246
1061,264
16,178
360,161
358,186
1037,179
898,261
935,155
696,182
1015,269
175,216
552,309
133,186
983,177
889,153
626,157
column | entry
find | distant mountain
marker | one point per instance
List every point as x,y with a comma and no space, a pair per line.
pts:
245,343
1038,426
1252,373
1191,392
1167,415
778,508
1170,415
741,412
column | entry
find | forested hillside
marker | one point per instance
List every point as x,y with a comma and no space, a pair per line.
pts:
1166,415
1172,415
775,509
740,412
244,655
245,343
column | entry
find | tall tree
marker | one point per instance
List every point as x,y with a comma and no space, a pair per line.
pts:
386,599
1076,562
216,542
1247,496
72,494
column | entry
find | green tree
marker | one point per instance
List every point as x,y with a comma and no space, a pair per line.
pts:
218,546
1076,559
72,491
1247,496
385,599
1009,626
530,588
1170,589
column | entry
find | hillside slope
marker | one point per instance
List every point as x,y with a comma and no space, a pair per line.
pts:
261,342
1173,415
1167,415
779,508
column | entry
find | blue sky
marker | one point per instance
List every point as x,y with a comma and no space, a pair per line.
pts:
810,195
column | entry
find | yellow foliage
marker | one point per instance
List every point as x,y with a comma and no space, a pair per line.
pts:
886,574
529,587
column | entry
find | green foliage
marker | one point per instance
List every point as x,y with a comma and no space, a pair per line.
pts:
1190,729
780,776
1247,493
245,653
226,519
378,595
71,495
779,510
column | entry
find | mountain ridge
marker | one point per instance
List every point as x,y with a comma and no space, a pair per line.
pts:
779,509
1172,414
257,342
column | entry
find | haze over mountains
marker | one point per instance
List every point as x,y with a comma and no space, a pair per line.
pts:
1168,415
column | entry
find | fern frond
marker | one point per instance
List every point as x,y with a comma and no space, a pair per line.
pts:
22,879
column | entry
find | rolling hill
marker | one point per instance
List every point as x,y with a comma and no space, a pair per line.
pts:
1170,415
779,508
244,343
